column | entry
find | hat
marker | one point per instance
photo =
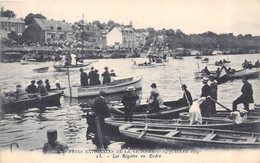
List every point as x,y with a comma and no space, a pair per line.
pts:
92,68
242,110
102,93
131,88
81,69
153,85
33,81
51,132
105,68
205,79
39,82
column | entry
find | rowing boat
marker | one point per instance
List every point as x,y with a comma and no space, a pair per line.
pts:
119,84
53,99
41,70
171,109
216,124
191,137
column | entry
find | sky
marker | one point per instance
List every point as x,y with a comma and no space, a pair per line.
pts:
190,16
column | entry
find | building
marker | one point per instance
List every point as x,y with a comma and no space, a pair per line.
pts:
11,24
140,39
125,37
93,34
49,31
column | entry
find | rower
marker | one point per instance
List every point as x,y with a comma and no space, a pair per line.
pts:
41,88
194,111
32,88
21,93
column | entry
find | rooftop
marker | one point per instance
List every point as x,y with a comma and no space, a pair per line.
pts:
53,25
12,20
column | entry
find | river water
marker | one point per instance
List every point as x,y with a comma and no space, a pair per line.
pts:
28,128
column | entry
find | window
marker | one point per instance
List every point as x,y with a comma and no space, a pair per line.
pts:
51,27
59,28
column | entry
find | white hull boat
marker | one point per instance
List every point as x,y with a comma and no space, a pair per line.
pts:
119,84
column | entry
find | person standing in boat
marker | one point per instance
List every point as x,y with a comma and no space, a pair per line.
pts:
129,101
53,145
83,77
205,92
106,77
21,93
92,76
112,74
47,85
41,88
213,94
186,96
101,111
195,112
31,88
246,97
97,81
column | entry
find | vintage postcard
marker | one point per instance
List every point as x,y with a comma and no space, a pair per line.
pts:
130,81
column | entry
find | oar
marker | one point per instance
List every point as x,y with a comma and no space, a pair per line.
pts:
220,104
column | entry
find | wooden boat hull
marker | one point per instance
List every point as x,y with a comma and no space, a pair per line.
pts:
117,122
41,70
172,110
52,99
31,61
250,73
192,137
114,87
254,127
60,68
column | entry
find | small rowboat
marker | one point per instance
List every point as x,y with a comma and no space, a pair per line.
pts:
216,124
204,60
171,109
41,70
191,137
61,68
53,99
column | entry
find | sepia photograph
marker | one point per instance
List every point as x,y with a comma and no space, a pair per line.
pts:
129,81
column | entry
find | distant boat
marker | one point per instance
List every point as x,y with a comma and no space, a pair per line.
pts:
177,57
191,137
119,84
31,59
205,60
198,57
41,70
61,68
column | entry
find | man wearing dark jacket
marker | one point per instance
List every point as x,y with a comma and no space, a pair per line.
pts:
32,88
186,96
213,94
83,78
205,92
92,76
129,101
246,97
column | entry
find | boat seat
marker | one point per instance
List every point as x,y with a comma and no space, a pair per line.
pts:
251,140
209,137
172,133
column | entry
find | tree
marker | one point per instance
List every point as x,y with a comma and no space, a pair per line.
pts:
110,22
98,24
29,18
8,13
13,36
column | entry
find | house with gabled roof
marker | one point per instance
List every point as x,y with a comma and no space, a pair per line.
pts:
49,31
7,25
123,36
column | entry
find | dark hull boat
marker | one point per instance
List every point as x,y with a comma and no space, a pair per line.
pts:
52,99
172,109
216,124
41,70
191,137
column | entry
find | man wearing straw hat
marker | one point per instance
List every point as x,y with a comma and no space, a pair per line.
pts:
205,92
129,101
